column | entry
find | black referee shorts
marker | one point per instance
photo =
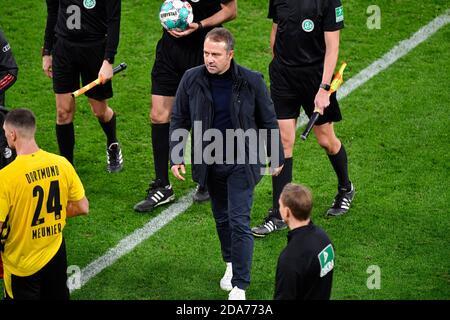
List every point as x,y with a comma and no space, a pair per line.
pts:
72,60
295,87
49,283
173,58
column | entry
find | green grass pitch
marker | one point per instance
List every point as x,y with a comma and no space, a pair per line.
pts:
395,129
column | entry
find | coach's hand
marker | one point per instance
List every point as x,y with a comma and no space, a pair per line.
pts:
321,101
176,171
106,72
47,66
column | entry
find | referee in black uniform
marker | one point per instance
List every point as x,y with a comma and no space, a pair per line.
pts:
305,266
176,52
305,47
81,38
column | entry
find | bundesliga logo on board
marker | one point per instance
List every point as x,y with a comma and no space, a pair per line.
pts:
176,14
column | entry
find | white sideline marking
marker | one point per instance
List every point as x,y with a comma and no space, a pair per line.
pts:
130,242
400,50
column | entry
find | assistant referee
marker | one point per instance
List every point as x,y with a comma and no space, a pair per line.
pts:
305,47
81,39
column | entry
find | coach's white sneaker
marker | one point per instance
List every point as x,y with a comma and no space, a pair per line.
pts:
225,282
236,294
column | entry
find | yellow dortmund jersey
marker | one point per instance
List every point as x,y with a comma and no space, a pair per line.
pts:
34,191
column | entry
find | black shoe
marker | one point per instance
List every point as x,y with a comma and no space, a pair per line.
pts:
269,225
157,194
342,202
201,194
114,158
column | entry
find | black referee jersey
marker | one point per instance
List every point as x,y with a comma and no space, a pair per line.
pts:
99,19
305,266
8,66
300,39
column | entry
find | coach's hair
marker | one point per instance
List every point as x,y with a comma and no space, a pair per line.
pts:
22,119
221,35
298,199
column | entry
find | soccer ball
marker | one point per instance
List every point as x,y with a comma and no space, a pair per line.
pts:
175,14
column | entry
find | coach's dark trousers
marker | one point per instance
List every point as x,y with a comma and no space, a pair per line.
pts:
231,201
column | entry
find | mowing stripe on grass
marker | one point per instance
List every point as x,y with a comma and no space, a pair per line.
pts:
400,50
130,242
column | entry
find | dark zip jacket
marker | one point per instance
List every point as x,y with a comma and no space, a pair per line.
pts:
8,66
251,108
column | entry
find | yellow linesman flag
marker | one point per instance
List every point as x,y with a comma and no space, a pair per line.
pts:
338,79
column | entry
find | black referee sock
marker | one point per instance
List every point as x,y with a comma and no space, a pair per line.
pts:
160,145
65,135
340,166
109,128
278,184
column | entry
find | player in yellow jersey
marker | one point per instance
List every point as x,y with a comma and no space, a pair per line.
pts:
38,191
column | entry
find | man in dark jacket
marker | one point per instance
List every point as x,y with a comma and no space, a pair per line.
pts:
8,76
8,68
222,101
